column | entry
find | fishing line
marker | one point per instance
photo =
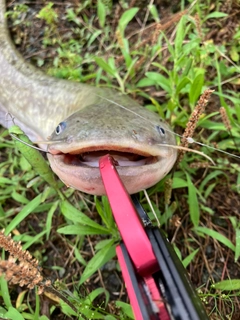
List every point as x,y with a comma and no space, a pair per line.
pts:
125,108
191,141
151,207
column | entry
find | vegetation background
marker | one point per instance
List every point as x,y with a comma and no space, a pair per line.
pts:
164,54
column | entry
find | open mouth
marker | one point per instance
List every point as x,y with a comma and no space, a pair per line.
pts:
122,158
139,169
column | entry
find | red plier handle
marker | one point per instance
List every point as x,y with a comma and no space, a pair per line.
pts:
157,284
135,239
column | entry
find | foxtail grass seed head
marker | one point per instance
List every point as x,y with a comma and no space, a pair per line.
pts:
198,26
225,118
198,165
167,191
21,274
175,221
15,249
119,38
192,122
25,271
133,3
156,33
139,63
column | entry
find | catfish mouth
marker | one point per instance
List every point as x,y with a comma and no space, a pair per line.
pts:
123,158
139,169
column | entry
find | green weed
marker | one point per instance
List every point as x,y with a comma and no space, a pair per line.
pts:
167,75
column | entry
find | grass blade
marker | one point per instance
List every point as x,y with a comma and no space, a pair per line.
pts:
100,258
216,235
23,214
193,202
228,285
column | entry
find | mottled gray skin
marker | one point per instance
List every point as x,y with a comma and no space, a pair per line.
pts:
92,120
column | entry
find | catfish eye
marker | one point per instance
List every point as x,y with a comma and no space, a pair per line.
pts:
59,129
161,131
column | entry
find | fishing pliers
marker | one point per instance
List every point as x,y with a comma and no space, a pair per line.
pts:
157,283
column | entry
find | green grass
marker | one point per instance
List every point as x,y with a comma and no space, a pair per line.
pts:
167,75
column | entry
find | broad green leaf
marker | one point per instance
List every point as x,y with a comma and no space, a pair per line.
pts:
237,252
182,84
189,258
145,82
28,209
187,68
95,293
4,180
228,285
207,192
2,313
209,177
77,216
178,252
91,40
79,257
13,314
19,197
211,125
126,17
126,307
5,292
34,240
234,54
37,307
160,80
215,15
101,11
49,218
81,230
216,235
229,143
104,210
193,202
105,66
24,164
84,309
196,88
100,258
33,156
179,183
102,244
180,34
154,12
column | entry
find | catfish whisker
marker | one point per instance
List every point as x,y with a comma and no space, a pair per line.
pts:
27,144
187,149
47,141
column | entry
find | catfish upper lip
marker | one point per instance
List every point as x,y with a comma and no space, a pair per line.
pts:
96,148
